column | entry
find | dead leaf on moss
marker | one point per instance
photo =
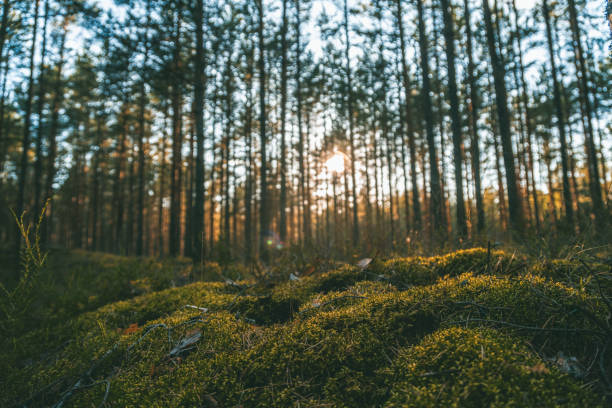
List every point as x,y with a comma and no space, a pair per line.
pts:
568,365
132,328
186,343
308,270
364,263
209,402
539,368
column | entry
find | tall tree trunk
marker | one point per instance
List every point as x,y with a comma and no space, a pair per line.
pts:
307,196
58,98
404,168
549,174
567,195
189,186
213,184
75,193
118,187
426,198
141,143
303,176
501,192
38,166
283,116
501,195
234,240
514,198
27,119
388,142
249,164
350,122
6,9
449,35
3,141
177,143
377,179
197,251
95,188
572,161
368,187
263,205
227,151
3,28
129,247
473,108
530,176
384,122
347,200
440,121
162,185
416,207
436,208
593,168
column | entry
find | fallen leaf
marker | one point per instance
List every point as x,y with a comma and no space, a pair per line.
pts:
153,371
568,365
186,342
209,402
201,309
364,263
132,328
308,270
539,368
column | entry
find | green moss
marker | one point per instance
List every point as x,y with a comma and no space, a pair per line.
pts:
406,272
477,368
327,339
591,277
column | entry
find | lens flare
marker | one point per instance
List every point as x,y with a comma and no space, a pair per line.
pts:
335,164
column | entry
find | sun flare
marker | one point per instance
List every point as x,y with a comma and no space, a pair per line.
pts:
335,164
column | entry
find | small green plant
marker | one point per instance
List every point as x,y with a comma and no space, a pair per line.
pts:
15,303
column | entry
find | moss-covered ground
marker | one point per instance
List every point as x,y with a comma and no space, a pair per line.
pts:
473,328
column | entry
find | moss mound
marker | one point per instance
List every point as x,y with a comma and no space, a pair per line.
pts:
471,328
479,367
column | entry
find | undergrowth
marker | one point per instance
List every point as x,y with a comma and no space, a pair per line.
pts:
16,302
477,327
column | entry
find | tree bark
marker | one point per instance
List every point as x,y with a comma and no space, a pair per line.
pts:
95,189
119,188
449,35
3,141
248,193
283,116
141,143
593,168
58,98
6,9
567,195
177,142
38,166
305,200
350,122
226,152
473,109
197,251
416,207
27,119
438,218
514,198
263,205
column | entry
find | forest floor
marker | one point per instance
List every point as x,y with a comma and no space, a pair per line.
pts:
472,328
